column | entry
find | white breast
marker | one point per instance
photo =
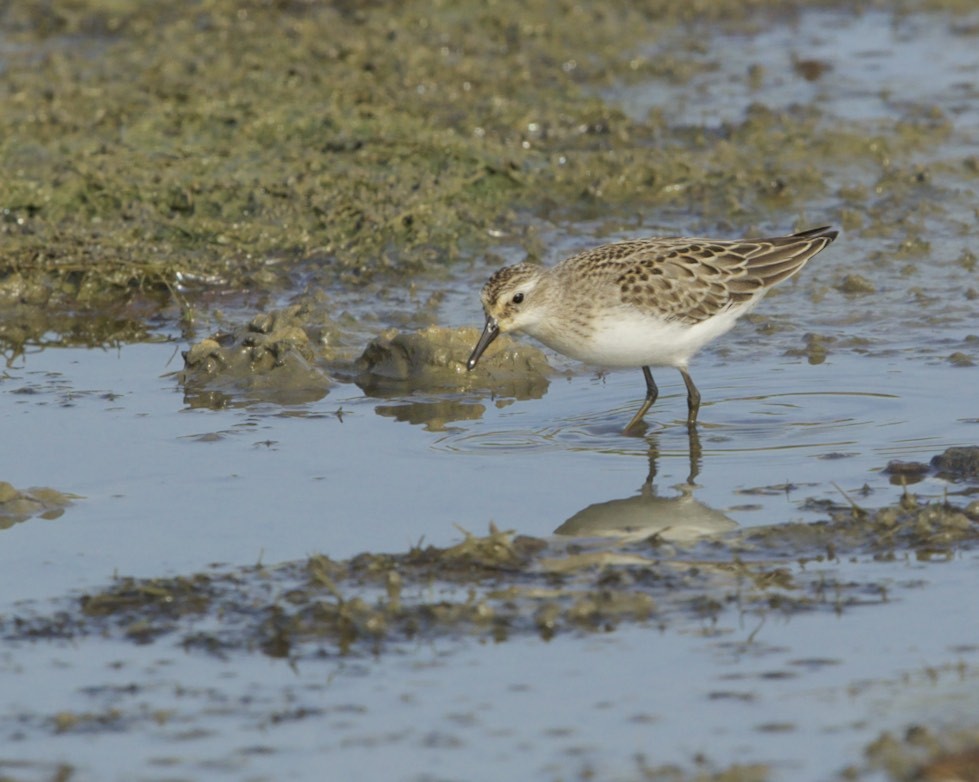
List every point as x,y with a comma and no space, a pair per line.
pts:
627,338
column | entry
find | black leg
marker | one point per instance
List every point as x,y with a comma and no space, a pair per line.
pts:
651,393
693,440
693,398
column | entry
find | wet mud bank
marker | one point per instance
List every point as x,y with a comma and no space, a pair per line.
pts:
154,155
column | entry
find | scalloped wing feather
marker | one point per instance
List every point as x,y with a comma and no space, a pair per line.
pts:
691,280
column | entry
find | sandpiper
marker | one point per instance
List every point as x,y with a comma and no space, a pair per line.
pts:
643,303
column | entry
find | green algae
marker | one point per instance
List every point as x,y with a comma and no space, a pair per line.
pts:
150,151
501,584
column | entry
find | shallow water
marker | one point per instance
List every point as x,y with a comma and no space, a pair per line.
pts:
168,488
802,694
268,483
171,490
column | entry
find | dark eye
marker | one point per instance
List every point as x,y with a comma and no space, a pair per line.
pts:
517,298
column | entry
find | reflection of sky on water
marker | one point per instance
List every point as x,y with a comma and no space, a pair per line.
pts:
875,63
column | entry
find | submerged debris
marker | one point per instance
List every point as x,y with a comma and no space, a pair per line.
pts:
856,284
928,531
955,464
19,505
502,584
902,472
950,755
960,359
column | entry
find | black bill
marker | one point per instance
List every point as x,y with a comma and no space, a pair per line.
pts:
490,332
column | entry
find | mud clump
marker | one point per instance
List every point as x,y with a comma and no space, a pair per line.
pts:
269,359
955,464
435,358
902,472
38,501
856,284
931,531
927,755
958,463
29,317
816,348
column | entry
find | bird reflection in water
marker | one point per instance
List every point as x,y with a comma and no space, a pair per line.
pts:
677,519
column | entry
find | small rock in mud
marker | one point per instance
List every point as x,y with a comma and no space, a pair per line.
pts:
958,463
271,358
17,506
436,358
856,283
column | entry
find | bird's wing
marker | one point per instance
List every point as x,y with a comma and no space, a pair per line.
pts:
692,280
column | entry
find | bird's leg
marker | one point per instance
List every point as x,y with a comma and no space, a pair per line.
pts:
696,453
693,398
651,393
